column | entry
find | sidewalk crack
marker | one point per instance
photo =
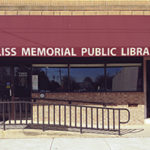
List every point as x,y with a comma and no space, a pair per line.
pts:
51,143
107,144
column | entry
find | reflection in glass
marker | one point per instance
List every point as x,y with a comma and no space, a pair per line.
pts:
86,79
52,79
124,79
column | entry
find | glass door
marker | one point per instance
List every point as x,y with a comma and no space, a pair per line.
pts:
22,88
22,81
5,83
15,85
5,88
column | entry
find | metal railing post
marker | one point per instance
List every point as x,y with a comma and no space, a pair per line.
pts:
81,119
43,119
3,116
76,117
119,122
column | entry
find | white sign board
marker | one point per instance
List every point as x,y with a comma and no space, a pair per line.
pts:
34,82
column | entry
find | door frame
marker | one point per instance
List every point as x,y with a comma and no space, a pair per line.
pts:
12,96
147,91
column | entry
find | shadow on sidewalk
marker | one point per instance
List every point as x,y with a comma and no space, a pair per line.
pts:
62,128
105,132
127,131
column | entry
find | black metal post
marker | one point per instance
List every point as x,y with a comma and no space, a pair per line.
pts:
43,118
3,116
119,122
81,119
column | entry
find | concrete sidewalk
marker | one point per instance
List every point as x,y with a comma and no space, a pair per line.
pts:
76,144
132,138
126,132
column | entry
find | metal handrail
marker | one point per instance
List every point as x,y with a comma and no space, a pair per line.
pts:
74,116
69,101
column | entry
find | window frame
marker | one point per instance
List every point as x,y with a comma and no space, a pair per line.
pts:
142,88
41,91
105,66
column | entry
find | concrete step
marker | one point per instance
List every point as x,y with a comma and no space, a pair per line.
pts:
147,121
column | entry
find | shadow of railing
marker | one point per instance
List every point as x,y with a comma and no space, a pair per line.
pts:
87,131
130,131
105,132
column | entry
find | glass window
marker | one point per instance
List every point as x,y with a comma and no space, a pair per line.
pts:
52,79
87,79
124,78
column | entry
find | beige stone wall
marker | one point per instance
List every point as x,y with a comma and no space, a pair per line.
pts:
70,13
77,5
134,101
68,116
74,7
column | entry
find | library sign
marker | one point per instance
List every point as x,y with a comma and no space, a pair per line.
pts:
73,52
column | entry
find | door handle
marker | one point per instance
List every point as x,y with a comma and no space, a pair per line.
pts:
10,92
